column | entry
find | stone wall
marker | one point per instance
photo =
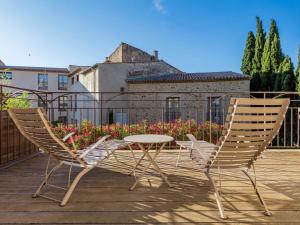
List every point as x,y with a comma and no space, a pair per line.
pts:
194,99
127,54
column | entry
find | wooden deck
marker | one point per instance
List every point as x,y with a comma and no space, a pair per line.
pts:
102,197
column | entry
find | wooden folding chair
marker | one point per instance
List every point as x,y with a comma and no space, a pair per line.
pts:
251,125
33,124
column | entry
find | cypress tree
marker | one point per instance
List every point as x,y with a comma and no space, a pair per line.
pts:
246,67
297,73
276,54
259,47
266,66
271,59
273,29
286,71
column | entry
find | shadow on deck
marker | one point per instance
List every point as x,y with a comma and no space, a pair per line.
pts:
103,196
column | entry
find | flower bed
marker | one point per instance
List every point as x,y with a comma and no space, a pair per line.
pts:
87,133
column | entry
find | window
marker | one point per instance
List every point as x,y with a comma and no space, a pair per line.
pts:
214,110
121,118
62,82
110,116
77,78
72,80
42,81
173,109
62,103
5,75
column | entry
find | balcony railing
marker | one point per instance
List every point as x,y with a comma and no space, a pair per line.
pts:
128,108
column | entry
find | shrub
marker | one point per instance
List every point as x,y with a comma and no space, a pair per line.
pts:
87,133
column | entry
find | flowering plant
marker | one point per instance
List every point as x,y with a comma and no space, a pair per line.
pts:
86,133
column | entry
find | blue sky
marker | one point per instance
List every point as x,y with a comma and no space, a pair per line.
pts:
193,35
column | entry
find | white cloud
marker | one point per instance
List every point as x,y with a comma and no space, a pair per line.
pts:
159,6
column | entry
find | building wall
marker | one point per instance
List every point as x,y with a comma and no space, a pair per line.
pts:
29,80
109,77
126,53
193,104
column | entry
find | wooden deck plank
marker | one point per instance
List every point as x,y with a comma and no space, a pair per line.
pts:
103,196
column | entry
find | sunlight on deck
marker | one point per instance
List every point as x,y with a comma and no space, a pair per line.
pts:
103,196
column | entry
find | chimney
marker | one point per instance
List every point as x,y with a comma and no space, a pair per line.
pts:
155,54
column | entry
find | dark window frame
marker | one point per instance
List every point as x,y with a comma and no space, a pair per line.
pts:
43,85
62,103
62,82
172,109
3,75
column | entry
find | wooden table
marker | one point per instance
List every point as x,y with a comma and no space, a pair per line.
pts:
146,142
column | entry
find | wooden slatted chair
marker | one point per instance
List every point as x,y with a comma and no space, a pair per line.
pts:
33,124
251,125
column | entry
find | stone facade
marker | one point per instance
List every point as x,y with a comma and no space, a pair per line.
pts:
194,99
128,54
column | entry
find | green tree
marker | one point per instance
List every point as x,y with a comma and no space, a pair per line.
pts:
276,54
259,47
19,102
297,72
255,82
271,59
266,66
246,67
287,76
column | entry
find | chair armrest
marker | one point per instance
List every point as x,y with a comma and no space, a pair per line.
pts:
65,138
93,146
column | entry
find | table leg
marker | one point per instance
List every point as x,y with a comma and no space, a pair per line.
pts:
152,161
139,161
155,155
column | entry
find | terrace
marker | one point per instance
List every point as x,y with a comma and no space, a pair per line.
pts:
103,196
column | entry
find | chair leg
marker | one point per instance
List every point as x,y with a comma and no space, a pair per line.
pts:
178,156
45,180
73,185
217,196
267,212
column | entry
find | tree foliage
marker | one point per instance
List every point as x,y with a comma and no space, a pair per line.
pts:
246,67
268,72
19,102
286,71
297,72
259,47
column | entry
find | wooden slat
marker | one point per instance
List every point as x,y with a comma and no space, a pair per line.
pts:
33,117
31,123
250,133
240,148
35,130
248,126
257,110
241,153
240,138
25,111
254,118
260,101
254,143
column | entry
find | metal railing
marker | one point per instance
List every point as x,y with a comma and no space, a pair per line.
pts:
130,108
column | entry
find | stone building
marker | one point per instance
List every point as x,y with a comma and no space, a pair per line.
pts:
131,85
136,86
198,96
